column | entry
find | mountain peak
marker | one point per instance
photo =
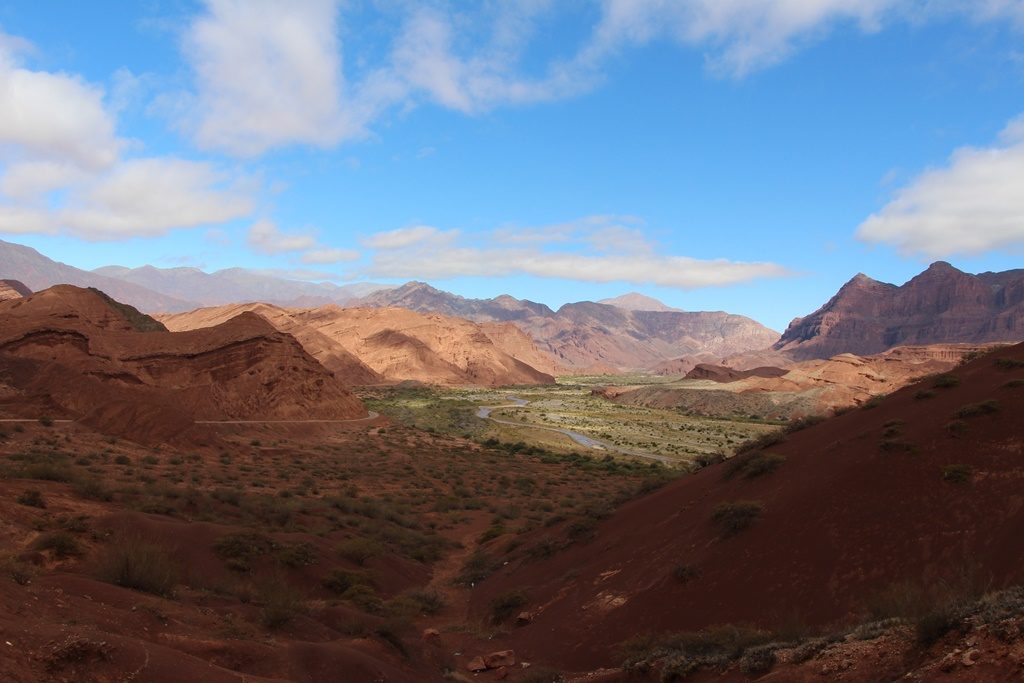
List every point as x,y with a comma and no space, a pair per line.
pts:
635,301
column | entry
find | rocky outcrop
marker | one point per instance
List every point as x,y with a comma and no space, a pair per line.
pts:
12,289
723,374
373,345
940,305
120,371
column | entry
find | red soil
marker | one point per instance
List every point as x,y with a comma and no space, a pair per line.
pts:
859,503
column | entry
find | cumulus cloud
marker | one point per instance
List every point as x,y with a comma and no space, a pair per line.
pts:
53,116
601,252
63,169
270,74
267,73
972,205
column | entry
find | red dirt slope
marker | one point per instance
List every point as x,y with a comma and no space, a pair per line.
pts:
87,357
860,502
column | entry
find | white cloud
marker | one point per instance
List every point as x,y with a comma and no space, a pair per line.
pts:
53,116
602,252
328,255
266,237
146,197
63,170
268,73
408,237
972,205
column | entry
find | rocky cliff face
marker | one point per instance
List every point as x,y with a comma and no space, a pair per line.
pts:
595,337
940,305
12,289
80,354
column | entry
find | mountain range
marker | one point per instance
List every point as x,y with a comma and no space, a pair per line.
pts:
594,337
630,332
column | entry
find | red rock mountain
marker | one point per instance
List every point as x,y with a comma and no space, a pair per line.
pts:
71,352
372,345
940,305
855,505
588,336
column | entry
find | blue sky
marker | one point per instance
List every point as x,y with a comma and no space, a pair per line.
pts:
740,155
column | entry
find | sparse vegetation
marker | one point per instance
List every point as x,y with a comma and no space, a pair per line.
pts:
735,516
957,474
946,381
976,409
505,606
753,465
132,562
32,498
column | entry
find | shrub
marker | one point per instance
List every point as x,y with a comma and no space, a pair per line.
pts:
359,550
753,465
759,659
46,421
240,549
297,555
60,543
924,393
132,562
416,603
685,573
505,605
946,381
958,474
735,516
477,568
1013,384
762,442
1009,363
32,498
873,402
281,602
802,423
976,409
340,580
93,489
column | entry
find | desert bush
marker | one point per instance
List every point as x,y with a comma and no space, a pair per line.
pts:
280,601
873,402
477,568
924,393
801,423
416,603
364,597
32,498
360,550
296,555
684,573
762,442
1009,363
93,489
759,659
60,543
946,381
505,605
240,549
340,580
1013,384
734,516
976,409
957,474
684,653
135,563
751,466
